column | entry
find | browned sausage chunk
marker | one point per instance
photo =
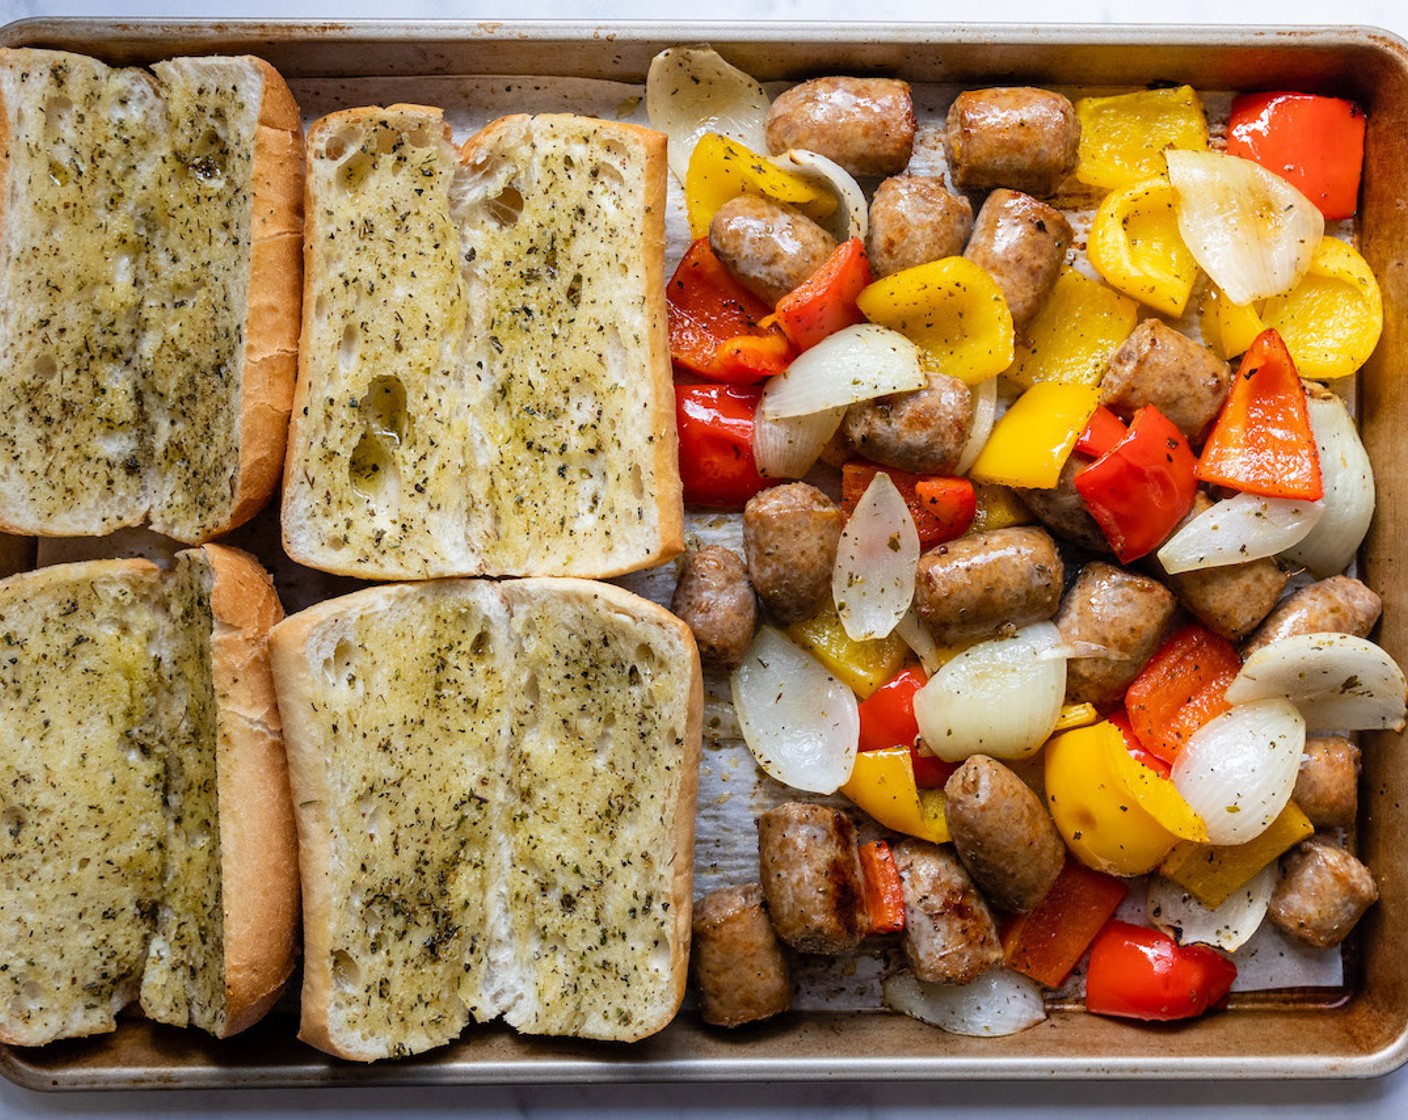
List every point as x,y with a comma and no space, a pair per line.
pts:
1340,605
715,600
1230,600
1062,509
1156,365
980,585
1327,787
1125,613
1023,243
1016,137
768,246
811,877
1323,892
739,966
864,124
1002,833
914,220
924,431
790,534
949,933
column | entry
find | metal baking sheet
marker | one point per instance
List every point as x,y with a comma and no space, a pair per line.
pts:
477,70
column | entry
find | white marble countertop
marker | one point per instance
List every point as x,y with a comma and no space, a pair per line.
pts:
1244,1100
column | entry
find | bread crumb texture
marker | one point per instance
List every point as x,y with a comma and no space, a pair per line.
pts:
483,357
124,263
109,817
502,804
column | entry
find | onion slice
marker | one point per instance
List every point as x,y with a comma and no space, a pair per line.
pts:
789,446
1238,769
1349,489
984,416
1000,698
872,581
799,721
1337,681
916,636
1244,527
1188,921
999,1002
690,91
850,218
1248,229
854,364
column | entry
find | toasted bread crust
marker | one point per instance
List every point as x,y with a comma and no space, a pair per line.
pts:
258,841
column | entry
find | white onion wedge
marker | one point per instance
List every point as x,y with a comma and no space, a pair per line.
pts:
1000,698
916,636
850,218
872,581
1349,489
690,91
1188,921
1337,681
799,721
854,364
999,1002
1238,769
984,416
789,446
1244,527
1248,229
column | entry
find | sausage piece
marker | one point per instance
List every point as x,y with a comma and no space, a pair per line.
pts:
914,219
1340,605
790,534
715,600
1327,786
1002,833
1230,600
864,124
1062,510
739,966
924,431
949,933
1323,892
986,583
811,877
1016,137
768,246
1125,613
1156,365
1022,242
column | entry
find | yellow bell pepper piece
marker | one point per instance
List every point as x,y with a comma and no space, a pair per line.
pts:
1074,333
998,508
862,665
1076,715
1228,329
1031,443
1102,824
1210,873
1123,138
882,784
1135,245
1332,319
721,169
951,308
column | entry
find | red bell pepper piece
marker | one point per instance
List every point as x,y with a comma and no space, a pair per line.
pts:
1142,487
1315,143
1137,750
1180,689
715,425
1047,942
826,301
1102,433
714,323
887,720
1261,441
1140,973
880,884
945,513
